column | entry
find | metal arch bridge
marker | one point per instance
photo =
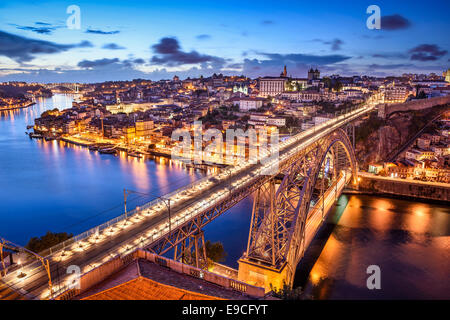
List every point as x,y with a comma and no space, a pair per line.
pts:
285,221
167,222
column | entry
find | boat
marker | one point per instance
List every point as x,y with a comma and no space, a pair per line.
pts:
135,154
107,150
36,135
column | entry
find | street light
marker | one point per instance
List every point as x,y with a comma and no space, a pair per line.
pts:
127,192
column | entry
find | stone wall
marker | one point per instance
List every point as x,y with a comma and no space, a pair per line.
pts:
385,110
407,188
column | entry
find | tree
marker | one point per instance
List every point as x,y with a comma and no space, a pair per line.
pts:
287,293
215,251
327,82
421,95
46,241
337,86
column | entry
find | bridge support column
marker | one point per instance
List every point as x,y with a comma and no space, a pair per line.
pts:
259,275
193,251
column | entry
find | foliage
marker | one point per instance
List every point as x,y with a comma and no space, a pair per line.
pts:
372,124
215,251
337,86
287,293
48,240
421,95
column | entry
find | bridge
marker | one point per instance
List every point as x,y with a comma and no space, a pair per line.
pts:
289,207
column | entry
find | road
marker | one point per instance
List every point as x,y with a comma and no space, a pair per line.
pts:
149,223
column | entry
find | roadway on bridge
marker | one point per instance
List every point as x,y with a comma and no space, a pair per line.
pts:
149,225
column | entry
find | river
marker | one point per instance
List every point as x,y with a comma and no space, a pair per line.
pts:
54,186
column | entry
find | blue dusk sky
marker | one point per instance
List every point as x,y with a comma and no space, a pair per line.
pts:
123,40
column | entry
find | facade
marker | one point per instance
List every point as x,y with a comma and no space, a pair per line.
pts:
313,74
396,94
275,121
144,128
271,86
246,104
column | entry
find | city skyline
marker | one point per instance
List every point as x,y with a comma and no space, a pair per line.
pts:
159,40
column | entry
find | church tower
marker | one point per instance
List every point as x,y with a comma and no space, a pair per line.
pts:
284,73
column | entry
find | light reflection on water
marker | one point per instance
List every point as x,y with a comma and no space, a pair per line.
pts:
52,185
409,241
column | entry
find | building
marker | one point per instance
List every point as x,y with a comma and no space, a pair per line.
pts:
313,74
241,89
144,128
276,121
396,94
423,142
246,104
271,86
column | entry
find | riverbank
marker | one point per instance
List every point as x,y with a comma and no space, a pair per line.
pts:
113,148
17,108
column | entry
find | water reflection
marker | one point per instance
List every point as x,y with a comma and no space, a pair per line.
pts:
409,241
58,186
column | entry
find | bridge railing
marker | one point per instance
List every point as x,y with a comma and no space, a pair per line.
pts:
97,230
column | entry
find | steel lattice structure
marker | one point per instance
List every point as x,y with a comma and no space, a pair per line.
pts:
277,229
276,237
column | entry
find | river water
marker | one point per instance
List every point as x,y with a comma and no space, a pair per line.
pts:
53,186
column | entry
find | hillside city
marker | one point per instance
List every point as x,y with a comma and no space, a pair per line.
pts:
140,116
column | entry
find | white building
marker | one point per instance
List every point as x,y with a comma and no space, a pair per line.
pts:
271,86
246,104
279,122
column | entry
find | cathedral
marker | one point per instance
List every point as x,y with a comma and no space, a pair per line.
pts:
313,74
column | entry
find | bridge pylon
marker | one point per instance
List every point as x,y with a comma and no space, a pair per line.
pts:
192,250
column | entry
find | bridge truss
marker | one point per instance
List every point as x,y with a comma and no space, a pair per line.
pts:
280,205
281,208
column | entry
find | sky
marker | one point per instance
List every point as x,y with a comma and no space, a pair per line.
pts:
125,40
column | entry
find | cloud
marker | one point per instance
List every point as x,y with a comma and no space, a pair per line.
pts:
101,32
394,22
335,44
96,63
113,71
389,55
132,62
169,53
427,52
40,27
297,63
389,66
23,49
203,37
112,46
